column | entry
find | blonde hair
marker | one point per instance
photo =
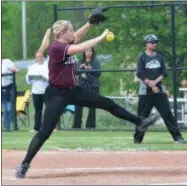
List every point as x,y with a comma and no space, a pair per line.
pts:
57,28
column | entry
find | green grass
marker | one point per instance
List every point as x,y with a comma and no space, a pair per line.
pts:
88,140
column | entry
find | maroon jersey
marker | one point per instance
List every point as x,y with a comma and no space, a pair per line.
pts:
61,65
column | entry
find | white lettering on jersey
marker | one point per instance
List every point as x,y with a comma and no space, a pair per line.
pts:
153,64
71,60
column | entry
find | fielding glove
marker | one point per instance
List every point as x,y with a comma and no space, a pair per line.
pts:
96,16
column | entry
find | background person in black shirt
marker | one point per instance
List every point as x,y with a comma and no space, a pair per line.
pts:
152,93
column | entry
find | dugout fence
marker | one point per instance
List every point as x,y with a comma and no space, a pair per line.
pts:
128,100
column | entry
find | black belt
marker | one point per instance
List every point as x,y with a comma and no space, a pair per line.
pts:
60,87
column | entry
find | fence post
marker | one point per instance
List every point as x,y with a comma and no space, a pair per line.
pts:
174,81
14,101
54,12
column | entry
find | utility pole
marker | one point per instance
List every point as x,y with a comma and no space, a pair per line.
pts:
24,34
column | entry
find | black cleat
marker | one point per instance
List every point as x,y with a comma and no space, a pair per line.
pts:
136,141
21,170
146,122
180,141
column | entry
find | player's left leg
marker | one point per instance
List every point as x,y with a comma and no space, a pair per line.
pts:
85,98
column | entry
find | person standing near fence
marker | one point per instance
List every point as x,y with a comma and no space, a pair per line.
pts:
7,92
89,81
38,77
152,93
62,89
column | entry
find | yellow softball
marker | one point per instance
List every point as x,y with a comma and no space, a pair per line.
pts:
110,37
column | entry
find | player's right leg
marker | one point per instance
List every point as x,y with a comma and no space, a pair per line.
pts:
52,112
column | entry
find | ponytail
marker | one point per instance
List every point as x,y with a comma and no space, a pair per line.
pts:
46,41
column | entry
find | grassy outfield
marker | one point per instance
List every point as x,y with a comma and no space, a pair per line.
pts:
94,140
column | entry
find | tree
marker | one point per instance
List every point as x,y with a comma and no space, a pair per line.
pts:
5,19
11,29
